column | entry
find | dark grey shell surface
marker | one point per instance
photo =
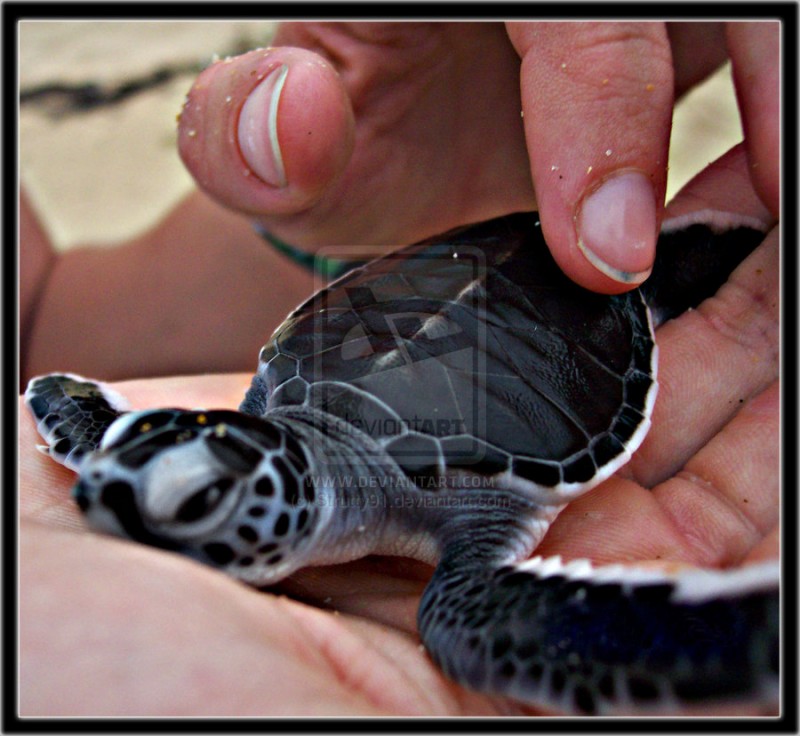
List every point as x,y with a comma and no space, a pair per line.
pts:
472,351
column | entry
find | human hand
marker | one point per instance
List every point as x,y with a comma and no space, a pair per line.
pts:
392,132
426,98
138,631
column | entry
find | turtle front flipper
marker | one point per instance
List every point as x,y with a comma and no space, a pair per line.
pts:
72,414
573,638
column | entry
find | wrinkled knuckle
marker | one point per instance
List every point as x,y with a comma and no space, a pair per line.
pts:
722,531
747,317
623,67
632,60
604,41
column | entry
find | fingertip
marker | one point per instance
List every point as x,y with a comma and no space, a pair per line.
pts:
316,126
597,101
267,132
607,243
616,227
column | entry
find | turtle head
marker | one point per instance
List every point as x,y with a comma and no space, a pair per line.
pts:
222,487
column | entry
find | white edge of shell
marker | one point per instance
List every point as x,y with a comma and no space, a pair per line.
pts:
565,492
718,220
691,585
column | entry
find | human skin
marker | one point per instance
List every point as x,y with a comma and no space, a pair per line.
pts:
416,127
113,628
414,132
174,297
139,631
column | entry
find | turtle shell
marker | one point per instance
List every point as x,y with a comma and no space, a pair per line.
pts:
472,351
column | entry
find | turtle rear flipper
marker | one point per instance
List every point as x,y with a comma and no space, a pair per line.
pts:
605,640
72,414
695,256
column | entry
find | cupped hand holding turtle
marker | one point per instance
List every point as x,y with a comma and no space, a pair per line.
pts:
140,632
137,631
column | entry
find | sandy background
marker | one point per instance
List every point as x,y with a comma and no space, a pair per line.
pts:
103,176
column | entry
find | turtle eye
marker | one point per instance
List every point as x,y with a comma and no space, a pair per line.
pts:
203,502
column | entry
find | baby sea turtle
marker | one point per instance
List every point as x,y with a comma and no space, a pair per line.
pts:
445,402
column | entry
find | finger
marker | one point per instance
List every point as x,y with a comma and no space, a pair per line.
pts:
724,186
697,50
725,501
597,103
714,358
426,105
754,50
267,131
720,511
618,520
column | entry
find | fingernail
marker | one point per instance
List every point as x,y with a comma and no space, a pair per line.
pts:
616,227
258,129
